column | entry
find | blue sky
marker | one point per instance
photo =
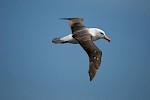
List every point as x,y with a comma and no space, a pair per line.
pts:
33,68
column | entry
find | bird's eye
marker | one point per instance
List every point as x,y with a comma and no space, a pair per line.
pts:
102,33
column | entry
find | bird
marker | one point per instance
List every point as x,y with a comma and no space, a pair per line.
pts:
85,37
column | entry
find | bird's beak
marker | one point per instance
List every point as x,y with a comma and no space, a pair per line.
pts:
106,38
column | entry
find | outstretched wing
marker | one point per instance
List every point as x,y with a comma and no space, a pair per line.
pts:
93,52
82,35
75,24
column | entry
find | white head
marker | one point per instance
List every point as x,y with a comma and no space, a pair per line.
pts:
101,34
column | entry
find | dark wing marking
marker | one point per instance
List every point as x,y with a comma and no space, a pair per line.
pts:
93,52
81,34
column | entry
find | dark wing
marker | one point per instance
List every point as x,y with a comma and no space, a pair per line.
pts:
93,52
75,24
81,34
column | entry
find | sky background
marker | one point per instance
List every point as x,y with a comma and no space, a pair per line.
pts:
33,68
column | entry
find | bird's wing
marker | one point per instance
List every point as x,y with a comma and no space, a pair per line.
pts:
75,24
93,52
84,38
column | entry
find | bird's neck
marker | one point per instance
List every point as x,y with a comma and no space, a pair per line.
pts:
94,33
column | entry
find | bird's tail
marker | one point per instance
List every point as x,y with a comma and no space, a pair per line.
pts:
58,41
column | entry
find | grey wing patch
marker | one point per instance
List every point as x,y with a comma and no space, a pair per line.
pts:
93,52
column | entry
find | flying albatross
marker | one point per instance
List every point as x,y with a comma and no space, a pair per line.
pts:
85,37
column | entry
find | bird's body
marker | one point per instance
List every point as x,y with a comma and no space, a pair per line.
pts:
69,39
85,37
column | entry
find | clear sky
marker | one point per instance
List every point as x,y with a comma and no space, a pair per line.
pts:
33,68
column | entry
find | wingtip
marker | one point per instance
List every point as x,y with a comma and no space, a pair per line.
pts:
90,80
92,73
72,18
64,18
